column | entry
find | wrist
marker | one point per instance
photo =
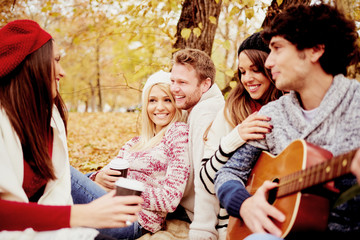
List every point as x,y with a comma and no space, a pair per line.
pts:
78,215
232,194
232,141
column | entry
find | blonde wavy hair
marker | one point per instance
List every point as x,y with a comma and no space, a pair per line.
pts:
148,136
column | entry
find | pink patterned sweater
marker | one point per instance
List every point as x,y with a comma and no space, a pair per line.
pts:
164,169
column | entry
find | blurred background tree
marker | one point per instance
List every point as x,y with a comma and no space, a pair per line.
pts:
110,47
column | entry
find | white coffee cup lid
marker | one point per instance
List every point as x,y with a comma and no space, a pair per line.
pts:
131,184
119,163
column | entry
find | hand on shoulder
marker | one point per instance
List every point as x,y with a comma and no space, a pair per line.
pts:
254,127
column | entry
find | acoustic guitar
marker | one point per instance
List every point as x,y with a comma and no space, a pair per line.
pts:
297,168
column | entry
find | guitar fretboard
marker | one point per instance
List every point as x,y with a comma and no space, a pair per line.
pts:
316,174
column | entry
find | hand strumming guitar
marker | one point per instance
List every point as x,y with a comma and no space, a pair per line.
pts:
255,211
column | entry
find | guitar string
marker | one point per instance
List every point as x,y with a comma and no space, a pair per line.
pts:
299,180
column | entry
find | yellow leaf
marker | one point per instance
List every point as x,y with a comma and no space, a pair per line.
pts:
227,45
279,2
229,19
217,1
218,41
249,3
240,23
212,19
230,73
137,68
160,21
234,11
197,32
95,138
130,8
46,9
249,13
55,14
185,33
200,25
76,40
233,84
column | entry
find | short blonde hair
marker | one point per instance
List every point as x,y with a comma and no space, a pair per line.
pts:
199,60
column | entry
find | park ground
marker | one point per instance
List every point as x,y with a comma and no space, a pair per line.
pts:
95,138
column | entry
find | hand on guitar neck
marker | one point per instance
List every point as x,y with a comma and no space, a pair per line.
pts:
256,211
355,165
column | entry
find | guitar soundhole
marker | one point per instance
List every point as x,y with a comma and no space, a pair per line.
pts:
273,192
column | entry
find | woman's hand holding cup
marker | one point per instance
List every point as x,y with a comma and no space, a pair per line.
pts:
129,187
120,165
107,177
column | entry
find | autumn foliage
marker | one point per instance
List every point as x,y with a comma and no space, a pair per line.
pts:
95,138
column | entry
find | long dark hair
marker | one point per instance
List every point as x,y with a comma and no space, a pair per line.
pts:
238,104
26,97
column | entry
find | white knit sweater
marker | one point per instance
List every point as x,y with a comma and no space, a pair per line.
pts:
199,119
222,140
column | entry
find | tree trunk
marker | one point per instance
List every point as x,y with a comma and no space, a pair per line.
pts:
92,98
201,14
271,12
98,84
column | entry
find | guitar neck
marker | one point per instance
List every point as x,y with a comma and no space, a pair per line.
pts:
316,174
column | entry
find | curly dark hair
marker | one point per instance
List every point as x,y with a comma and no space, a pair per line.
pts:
307,26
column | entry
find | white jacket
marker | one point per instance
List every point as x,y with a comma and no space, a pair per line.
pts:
57,192
199,119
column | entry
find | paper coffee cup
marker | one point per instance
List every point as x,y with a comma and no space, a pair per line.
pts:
127,187
120,165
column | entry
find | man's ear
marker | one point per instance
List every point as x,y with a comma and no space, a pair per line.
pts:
205,85
316,52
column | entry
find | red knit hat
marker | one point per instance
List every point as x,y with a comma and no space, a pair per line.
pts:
18,39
